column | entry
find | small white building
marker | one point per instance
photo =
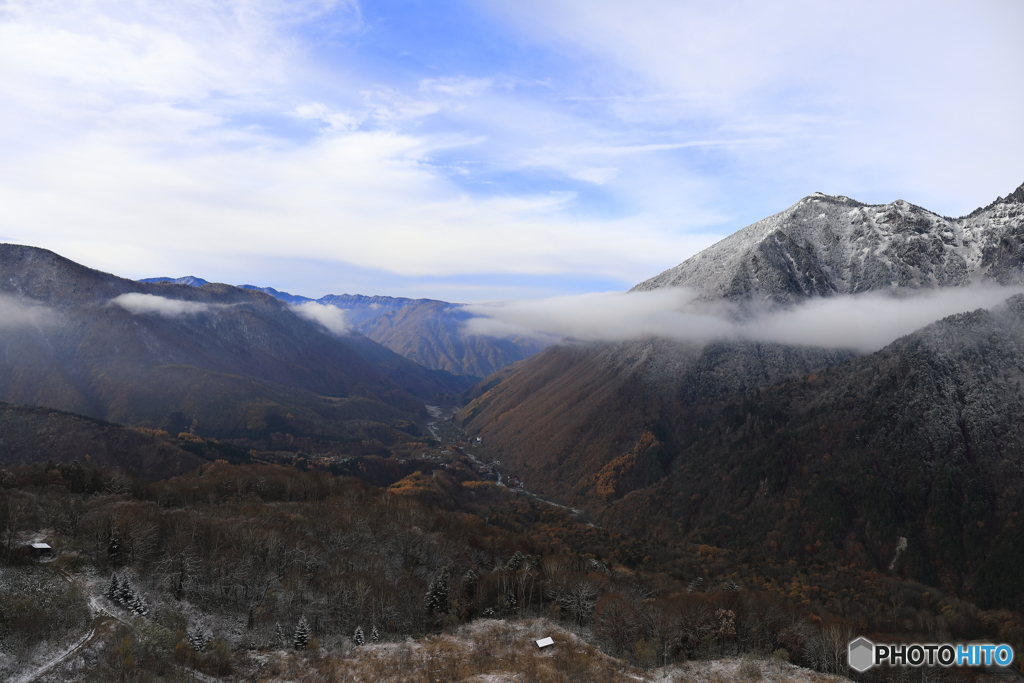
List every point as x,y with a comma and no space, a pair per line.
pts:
40,549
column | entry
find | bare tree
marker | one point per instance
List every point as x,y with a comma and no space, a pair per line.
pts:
577,594
617,622
17,511
828,649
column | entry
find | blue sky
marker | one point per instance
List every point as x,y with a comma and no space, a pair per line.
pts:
472,151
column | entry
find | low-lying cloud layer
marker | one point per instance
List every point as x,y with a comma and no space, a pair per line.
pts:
331,317
15,314
136,303
865,322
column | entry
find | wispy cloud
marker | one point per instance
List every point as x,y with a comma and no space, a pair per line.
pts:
837,89
140,304
864,323
556,143
331,317
15,314
456,87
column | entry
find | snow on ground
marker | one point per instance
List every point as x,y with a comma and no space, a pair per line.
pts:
482,651
505,652
49,658
26,666
740,669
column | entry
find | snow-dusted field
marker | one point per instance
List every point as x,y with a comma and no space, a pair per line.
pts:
496,651
483,651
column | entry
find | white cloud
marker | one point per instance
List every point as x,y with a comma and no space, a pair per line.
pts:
15,314
902,97
367,198
121,124
864,323
606,316
390,107
138,304
635,142
867,322
458,87
318,111
331,317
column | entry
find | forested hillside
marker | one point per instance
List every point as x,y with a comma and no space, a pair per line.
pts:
905,459
232,568
214,360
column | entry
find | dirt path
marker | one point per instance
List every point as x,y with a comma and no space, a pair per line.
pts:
103,624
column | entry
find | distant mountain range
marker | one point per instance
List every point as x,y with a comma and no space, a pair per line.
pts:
214,360
795,452
427,331
909,460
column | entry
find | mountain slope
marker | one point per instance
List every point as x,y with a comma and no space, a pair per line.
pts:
426,331
588,423
923,440
431,333
219,359
826,245
592,423
32,434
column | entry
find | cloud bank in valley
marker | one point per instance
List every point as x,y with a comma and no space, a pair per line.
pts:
864,323
137,303
331,317
868,322
604,316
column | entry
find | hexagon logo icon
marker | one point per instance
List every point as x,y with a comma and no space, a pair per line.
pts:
862,654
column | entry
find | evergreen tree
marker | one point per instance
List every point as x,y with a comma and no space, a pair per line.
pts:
198,638
113,587
302,634
279,639
437,594
374,634
114,548
124,594
358,638
138,605
515,562
469,584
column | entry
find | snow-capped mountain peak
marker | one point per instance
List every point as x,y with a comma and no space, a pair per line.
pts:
825,245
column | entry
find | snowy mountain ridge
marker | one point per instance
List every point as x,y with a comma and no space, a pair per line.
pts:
826,245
